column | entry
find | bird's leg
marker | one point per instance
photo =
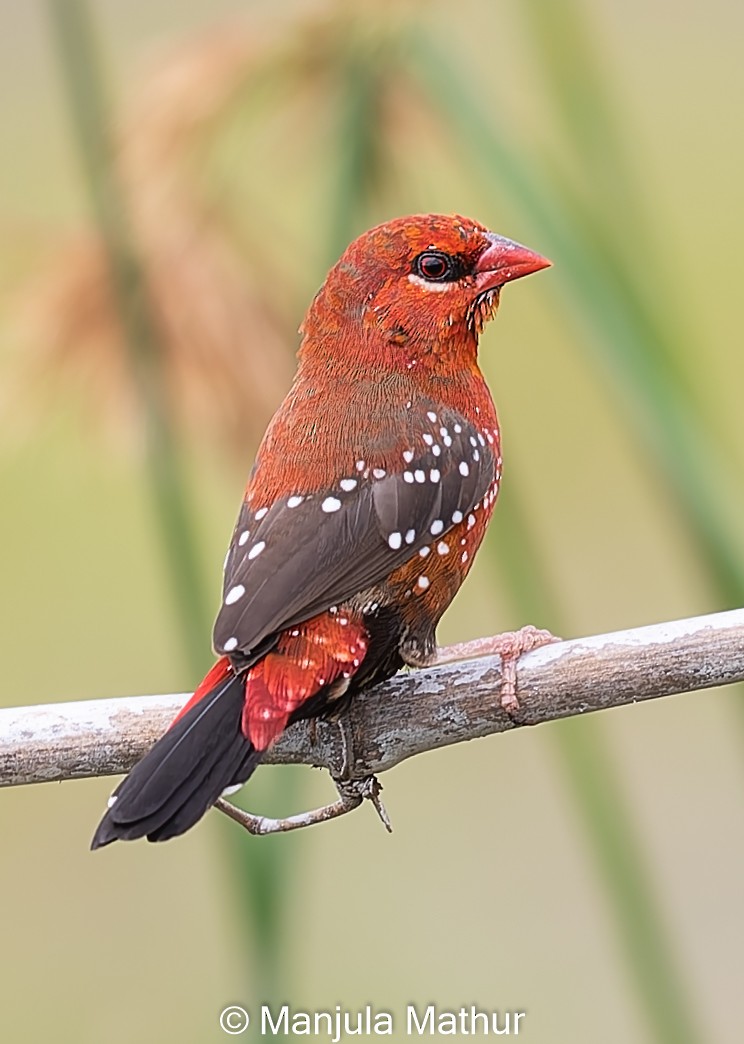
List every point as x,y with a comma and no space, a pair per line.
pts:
369,787
344,773
509,646
351,795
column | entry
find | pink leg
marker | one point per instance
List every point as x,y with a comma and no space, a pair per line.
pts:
509,646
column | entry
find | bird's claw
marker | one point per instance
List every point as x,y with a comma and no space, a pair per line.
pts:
509,646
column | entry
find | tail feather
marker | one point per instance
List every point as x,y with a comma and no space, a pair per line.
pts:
201,799
181,758
181,777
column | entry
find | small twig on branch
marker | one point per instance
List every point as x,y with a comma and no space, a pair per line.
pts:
350,796
405,716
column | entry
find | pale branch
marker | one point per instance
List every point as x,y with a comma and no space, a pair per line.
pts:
407,715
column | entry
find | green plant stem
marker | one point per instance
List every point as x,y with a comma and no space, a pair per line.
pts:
583,106
598,796
261,877
629,334
568,57
258,867
166,481
632,344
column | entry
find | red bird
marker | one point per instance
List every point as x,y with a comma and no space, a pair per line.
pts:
370,495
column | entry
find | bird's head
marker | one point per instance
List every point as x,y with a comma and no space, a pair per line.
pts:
415,289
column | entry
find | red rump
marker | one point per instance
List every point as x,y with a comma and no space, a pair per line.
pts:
326,650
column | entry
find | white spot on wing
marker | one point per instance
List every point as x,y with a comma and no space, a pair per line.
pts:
395,540
463,468
234,594
457,517
256,550
330,504
423,582
243,538
347,485
294,502
230,644
261,512
410,536
436,527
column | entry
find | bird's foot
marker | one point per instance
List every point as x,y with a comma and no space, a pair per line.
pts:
351,794
509,646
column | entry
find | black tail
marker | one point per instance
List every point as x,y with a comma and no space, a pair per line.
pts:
172,787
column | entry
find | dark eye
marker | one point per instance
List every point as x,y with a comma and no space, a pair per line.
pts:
435,266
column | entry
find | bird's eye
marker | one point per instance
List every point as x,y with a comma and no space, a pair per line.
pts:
435,266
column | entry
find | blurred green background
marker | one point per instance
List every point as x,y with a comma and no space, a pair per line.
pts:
215,158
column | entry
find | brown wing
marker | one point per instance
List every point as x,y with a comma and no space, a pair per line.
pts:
307,553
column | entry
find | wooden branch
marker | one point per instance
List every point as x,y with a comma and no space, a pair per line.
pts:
405,716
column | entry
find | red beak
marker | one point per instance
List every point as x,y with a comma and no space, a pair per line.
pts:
504,260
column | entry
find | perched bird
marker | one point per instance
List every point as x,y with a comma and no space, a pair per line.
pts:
370,495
